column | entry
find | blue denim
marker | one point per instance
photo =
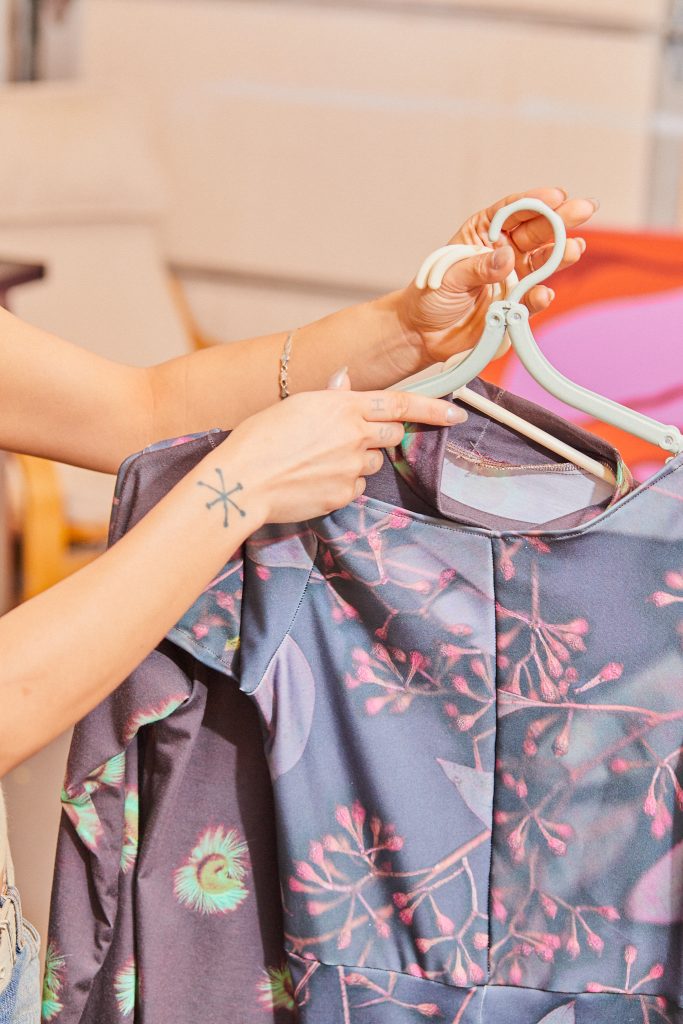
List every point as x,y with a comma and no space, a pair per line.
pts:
20,1000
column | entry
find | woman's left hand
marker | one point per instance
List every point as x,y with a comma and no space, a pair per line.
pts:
445,321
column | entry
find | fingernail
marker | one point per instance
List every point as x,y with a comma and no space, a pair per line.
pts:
552,294
455,415
563,191
337,379
596,204
582,244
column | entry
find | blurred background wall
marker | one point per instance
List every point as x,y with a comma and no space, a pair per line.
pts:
194,171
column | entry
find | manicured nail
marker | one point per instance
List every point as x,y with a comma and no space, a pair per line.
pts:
455,415
596,204
337,379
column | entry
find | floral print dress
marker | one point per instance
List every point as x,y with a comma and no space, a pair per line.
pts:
469,686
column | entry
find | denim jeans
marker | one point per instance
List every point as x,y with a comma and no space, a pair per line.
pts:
19,964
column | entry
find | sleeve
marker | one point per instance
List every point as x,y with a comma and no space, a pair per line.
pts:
240,620
241,617
98,835
130,752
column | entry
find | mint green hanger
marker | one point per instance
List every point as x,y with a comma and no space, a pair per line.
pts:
511,315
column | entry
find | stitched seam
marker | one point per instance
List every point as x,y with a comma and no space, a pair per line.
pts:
538,467
577,531
481,988
277,650
198,644
380,970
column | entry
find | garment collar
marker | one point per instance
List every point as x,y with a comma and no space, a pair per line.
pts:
419,459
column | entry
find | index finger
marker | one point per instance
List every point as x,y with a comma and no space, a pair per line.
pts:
406,407
552,197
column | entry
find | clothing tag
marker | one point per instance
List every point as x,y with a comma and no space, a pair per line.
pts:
532,496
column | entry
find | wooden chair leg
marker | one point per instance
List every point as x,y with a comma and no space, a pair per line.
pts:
197,337
44,530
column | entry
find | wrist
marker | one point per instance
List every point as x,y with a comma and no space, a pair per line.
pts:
229,496
403,345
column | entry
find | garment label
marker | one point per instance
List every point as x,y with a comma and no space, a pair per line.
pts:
531,496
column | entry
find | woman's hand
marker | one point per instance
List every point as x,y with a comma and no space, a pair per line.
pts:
450,319
310,454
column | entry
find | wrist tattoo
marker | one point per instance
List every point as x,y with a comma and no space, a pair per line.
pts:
223,496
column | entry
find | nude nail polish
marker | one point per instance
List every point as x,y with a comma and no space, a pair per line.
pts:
337,379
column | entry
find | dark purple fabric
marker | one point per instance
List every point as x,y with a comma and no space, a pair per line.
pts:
473,733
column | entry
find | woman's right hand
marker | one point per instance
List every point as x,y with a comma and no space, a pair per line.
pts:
310,454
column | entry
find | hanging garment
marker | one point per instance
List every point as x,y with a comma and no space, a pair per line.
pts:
472,722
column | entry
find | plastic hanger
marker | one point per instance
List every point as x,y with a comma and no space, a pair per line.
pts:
509,314
431,273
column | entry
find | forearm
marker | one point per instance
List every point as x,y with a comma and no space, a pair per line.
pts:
68,648
222,385
62,402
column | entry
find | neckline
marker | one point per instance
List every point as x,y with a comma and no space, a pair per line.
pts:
418,462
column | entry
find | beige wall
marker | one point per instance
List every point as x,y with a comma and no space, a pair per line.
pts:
342,144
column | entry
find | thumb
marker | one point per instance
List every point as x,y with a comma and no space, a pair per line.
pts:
486,268
340,381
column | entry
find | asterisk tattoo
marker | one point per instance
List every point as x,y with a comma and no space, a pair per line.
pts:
223,496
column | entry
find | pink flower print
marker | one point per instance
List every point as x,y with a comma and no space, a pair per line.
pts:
366,542
664,789
531,825
568,928
607,674
661,598
542,650
347,877
656,802
673,579
377,995
515,976
340,872
401,676
631,987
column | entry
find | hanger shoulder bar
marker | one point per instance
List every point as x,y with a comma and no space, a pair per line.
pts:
666,436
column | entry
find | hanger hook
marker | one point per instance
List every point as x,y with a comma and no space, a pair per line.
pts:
557,255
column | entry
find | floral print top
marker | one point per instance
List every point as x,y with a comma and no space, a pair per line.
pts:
472,720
